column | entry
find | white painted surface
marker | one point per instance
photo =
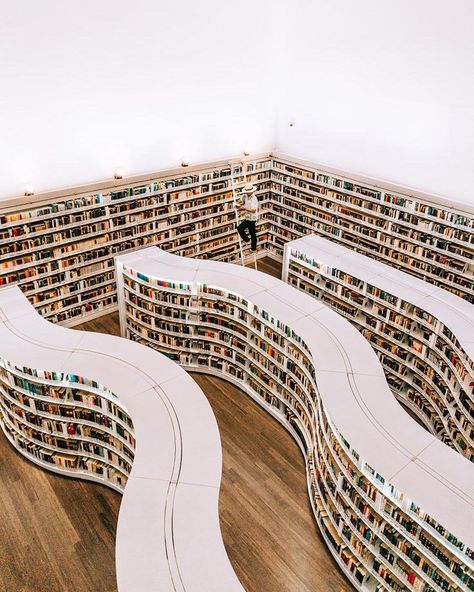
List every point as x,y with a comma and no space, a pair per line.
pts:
383,89
380,88
91,87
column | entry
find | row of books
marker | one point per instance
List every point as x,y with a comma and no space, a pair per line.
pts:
66,420
46,249
170,212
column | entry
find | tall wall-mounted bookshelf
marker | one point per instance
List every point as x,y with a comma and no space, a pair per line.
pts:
59,247
168,534
392,503
432,240
423,335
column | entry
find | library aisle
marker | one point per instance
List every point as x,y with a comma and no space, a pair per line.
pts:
376,479
267,524
252,531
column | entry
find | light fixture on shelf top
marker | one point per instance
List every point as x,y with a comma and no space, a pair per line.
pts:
29,189
118,174
184,162
246,152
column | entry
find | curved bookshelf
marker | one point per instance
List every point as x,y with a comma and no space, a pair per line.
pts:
423,335
67,424
394,505
148,433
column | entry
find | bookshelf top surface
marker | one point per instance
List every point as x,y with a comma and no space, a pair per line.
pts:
352,385
107,185
454,312
177,447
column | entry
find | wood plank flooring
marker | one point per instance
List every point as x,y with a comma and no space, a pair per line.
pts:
57,534
268,265
267,524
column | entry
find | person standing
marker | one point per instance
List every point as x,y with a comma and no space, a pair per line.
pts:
249,214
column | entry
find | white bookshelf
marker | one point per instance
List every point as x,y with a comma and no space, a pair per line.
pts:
61,422
422,334
59,246
431,238
168,534
394,504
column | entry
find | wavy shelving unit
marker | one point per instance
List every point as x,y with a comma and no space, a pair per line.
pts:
423,335
394,504
168,534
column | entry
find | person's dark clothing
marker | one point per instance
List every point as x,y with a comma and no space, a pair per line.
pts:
250,226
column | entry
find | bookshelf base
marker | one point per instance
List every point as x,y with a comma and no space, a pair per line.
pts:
54,469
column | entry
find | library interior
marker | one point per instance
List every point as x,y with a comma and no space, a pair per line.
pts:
236,296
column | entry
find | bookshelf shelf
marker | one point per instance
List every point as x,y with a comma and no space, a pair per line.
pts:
59,247
421,333
370,469
66,422
60,251
149,434
433,241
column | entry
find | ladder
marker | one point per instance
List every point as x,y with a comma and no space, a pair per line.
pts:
237,221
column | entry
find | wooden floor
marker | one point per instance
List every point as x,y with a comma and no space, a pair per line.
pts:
268,265
267,524
57,534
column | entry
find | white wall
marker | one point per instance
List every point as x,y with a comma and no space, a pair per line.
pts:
380,87
384,88
93,85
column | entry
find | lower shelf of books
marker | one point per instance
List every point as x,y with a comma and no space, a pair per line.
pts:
63,464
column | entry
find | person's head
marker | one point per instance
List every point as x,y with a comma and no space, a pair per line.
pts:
248,190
